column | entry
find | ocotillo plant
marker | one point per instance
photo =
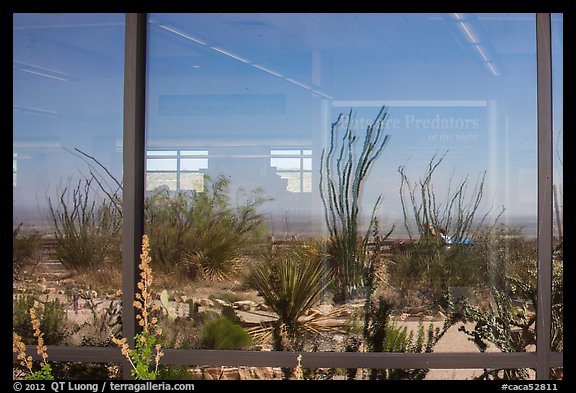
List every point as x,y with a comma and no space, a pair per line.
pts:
342,172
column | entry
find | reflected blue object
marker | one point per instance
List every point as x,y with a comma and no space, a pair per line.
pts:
452,240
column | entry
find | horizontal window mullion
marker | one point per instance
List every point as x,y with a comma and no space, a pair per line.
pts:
309,359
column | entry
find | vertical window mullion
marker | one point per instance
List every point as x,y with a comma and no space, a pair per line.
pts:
134,157
178,170
544,97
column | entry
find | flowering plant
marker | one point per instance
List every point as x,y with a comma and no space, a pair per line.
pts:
45,372
145,356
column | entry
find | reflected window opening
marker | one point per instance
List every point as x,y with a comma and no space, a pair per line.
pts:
177,170
294,166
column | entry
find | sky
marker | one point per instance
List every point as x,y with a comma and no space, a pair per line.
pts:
234,88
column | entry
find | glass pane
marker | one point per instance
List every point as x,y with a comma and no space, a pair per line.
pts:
285,152
67,188
286,163
152,153
193,164
155,180
194,152
557,26
423,212
293,179
161,164
192,181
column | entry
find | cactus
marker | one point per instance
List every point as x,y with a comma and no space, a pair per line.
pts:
167,309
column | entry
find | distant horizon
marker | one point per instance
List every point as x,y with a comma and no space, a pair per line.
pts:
304,226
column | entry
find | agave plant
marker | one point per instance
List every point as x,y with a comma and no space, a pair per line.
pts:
290,285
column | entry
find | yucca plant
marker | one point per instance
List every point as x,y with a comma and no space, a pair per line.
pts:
290,286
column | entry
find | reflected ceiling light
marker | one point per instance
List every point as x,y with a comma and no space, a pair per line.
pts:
232,55
268,70
468,30
41,71
42,74
492,68
298,83
479,49
172,30
37,111
322,94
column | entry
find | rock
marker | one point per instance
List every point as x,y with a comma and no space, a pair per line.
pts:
196,373
221,303
184,299
262,307
212,373
244,305
262,373
206,302
403,316
230,374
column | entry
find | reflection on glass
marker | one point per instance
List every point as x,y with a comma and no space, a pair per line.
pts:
386,162
557,26
67,173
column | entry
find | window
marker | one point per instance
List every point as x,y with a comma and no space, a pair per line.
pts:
225,94
67,171
295,166
14,168
176,169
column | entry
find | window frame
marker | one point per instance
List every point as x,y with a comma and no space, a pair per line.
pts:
134,150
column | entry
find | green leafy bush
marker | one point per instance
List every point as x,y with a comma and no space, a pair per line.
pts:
51,315
222,333
202,234
24,248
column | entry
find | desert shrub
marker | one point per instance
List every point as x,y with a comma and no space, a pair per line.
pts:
105,325
180,333
504,251
202,234
175,372
381,334
50,314
24,248
432,270
86,371
508,322
444,253
222,333
87,231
